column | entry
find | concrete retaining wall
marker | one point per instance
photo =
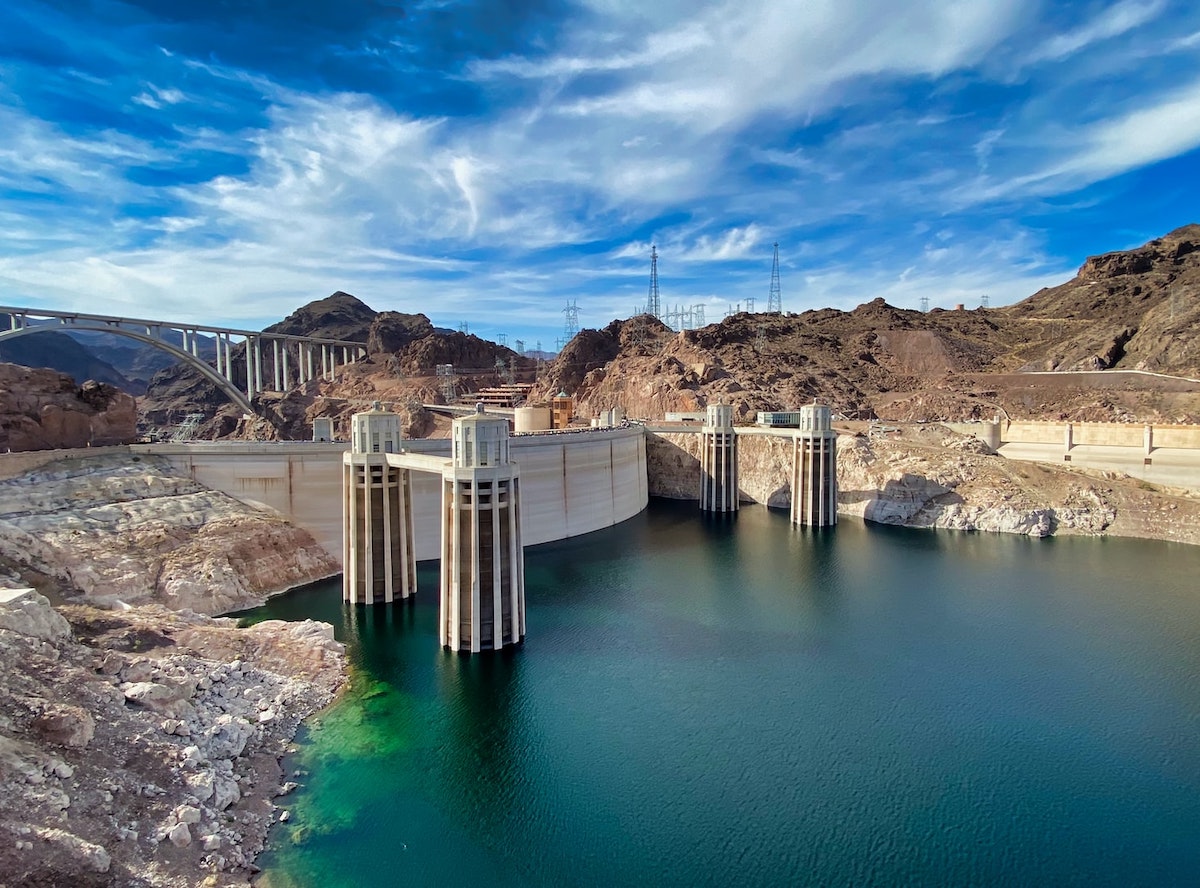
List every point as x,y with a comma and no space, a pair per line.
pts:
1102,434
1186,437
14,464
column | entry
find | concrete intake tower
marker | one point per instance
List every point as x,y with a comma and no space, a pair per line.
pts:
814,468
718,461
483,563
378,558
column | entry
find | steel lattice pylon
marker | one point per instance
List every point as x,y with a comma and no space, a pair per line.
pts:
775,296
652,304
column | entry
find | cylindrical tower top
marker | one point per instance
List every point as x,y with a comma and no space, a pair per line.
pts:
816,418
480,440
720,416
375,431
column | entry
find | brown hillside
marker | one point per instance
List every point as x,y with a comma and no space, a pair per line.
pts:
1134,309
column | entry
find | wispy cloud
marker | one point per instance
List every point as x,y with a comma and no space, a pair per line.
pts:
886,147
1111,22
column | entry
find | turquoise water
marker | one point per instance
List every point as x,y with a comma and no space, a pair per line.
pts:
742,702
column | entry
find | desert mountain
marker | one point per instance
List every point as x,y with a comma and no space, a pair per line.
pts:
1130,310
1127,310
53,350
403,353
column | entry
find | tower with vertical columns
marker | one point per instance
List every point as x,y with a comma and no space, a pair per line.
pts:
378,559
718,461
814,468
483,563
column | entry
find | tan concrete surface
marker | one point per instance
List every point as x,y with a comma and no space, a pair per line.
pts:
572,483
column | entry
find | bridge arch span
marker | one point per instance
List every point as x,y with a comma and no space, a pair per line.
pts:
232,392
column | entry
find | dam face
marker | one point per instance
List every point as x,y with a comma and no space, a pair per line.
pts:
571,482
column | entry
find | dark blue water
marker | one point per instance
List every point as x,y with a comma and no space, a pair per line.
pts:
719,703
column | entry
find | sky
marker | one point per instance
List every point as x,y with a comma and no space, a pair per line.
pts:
485,163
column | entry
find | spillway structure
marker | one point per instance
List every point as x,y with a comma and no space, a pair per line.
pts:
483,562
814,468
718,461
378,557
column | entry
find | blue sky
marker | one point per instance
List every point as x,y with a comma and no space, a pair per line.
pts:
227,162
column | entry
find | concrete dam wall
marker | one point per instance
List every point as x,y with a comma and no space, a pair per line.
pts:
572,483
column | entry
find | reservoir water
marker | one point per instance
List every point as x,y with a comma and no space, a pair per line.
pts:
742,702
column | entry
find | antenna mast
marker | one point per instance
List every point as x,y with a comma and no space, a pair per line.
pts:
774,297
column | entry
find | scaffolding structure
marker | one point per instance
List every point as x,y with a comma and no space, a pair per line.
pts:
186,430
680,318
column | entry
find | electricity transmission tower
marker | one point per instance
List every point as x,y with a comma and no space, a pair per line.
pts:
571,325
983,301
653,306
774,297
924,303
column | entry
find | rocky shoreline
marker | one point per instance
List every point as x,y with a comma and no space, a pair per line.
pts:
142,747
140,737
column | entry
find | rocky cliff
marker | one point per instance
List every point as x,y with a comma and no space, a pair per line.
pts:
930,477
45,410
133,529
140,743
142,747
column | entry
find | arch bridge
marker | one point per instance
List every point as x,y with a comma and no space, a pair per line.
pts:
292,360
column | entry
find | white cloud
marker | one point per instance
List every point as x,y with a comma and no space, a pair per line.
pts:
1112,22
1150,131
733,61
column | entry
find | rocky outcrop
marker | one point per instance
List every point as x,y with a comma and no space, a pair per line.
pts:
392,330
132,529
46,410
142,747
930,477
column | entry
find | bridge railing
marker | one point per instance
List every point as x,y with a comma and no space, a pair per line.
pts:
310,355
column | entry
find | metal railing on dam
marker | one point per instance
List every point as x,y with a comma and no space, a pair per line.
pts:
290,360
571,484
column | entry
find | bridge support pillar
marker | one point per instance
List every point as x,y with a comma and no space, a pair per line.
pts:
718,461
378,559
814,468
483,562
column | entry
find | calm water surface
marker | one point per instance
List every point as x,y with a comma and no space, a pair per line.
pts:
746,703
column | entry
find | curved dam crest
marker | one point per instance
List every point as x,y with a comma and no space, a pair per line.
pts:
573,482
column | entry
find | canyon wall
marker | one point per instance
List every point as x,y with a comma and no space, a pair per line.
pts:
44,410
928,476
130,528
